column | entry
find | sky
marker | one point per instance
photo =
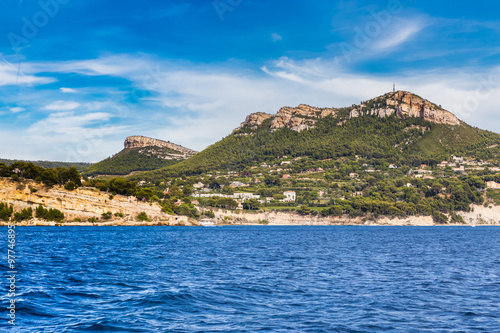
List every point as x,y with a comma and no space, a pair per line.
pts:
78,77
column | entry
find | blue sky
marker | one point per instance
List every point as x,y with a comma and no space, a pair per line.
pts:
77,77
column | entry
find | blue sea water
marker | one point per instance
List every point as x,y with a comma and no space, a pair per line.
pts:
256,279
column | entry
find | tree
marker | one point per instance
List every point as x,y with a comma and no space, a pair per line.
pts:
49,177
5,211
251,204
121,186
25,214
304,210
143,217
71,185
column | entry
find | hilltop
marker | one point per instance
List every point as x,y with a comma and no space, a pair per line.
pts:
402,104
397,127
140,153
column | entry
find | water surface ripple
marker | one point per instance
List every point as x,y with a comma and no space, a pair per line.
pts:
257,279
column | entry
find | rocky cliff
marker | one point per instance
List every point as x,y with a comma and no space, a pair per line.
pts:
405,104
81,203
401,103
142,141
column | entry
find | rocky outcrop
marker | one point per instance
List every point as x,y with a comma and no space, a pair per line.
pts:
297,119
401,103
405,104
81,203
300,118
254,120
142,141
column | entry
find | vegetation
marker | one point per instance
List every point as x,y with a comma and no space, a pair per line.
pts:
50,177
143,217
6,211
51,214
50,165
409,142
134,159
24,214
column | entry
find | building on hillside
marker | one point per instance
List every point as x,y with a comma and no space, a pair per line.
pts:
290,196
199,185
245,196
493,185
286,176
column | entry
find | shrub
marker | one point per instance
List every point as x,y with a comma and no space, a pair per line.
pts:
71,185
25,214
439,217
51,214
143,217
106,216
209,213
5,211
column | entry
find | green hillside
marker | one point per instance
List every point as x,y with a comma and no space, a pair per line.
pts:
409,141
134,159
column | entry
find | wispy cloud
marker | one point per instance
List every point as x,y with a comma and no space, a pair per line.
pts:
400,34
67,90
61,106
197,104
276,37
17,109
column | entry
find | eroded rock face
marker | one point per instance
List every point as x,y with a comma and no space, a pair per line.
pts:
405,104
142,141
300,118
401,103
254,120
297,119
81,203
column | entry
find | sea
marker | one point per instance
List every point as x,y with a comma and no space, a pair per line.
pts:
254,279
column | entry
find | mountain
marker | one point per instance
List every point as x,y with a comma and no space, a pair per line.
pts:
397,127
140,154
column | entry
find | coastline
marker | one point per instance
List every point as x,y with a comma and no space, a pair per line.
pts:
81,204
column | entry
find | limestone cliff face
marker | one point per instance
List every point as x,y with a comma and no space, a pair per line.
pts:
405,104
254,120
81,203
300,118
142,141
297,119
401,103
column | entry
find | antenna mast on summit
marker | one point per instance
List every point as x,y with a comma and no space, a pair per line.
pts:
394,87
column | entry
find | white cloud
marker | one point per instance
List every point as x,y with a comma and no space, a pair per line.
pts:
17,109
67,90
276,37
399,34
61,106
13,74
196,105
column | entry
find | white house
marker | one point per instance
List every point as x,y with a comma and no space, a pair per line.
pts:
290,196
493,185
